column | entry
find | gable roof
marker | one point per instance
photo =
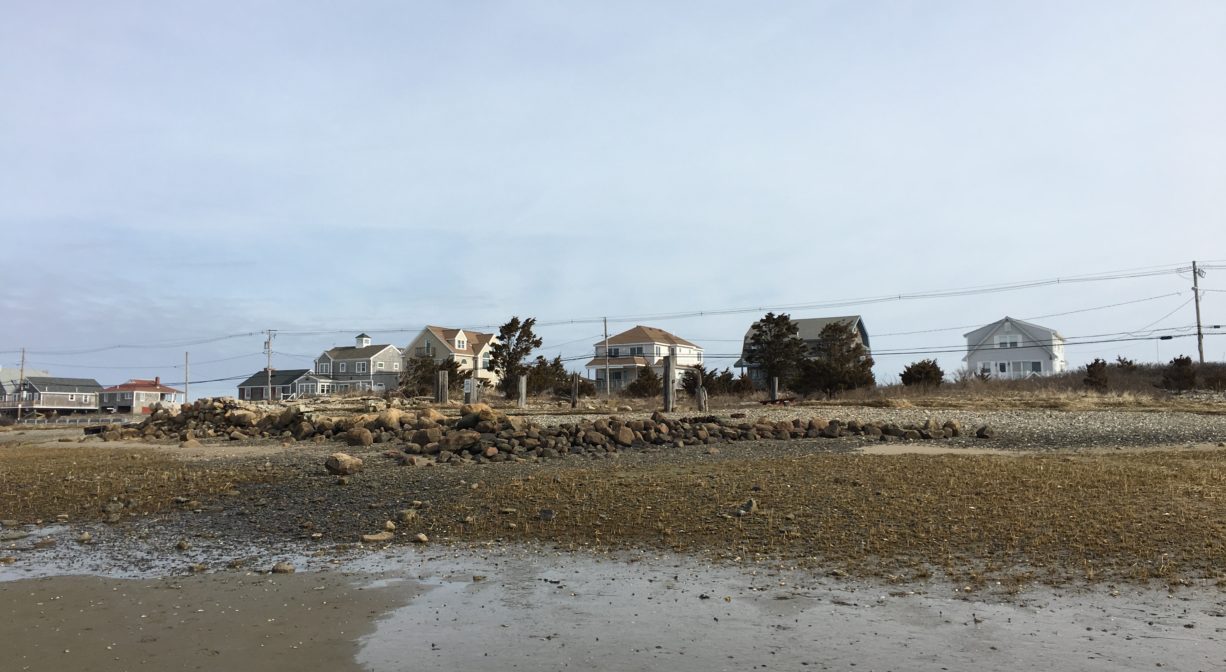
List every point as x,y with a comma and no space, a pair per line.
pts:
472,344
70,385
641,334
1036,336
280,377
618,362
352,352
810,328
142,385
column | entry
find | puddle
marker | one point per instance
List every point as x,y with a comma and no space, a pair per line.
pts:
679,614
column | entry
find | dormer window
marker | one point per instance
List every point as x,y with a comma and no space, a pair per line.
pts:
460,344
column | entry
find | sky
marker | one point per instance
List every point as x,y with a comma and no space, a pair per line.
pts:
176,172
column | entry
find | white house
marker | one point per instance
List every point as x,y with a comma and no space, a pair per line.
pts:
641,347
1013,348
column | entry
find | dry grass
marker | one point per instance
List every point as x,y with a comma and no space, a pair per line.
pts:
45,481
1156,515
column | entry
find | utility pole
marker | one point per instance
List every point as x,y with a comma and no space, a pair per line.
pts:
1200,334
268,367
21,384
607,393
186,377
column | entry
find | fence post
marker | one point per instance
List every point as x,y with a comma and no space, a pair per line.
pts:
574,390
775,388
702,400
523,390
669,391
440,388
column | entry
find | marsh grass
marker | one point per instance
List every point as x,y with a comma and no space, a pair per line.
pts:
977,518
41,482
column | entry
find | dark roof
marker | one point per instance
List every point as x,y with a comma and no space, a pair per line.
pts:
809,330
279,377
362,335
350,352
54,384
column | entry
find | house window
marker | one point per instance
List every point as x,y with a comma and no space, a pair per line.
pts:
486,362
636,350
460,344
1003,367
700,357
1036,367
615,352
343,365
1010,341
127,395
326,367
72,397
657,351
361,367
378,365
395,366
615,375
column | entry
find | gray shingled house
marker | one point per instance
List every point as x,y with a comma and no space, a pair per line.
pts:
53,394
809,330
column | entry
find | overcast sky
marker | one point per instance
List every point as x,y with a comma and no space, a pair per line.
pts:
176,171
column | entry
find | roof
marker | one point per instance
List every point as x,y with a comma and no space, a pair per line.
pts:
599,362
351,352
362,335
142,385
473,344
1036,336
279,377
10,376
641,334
810,328
54,384
1021,323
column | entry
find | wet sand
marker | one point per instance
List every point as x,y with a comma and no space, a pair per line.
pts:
536,610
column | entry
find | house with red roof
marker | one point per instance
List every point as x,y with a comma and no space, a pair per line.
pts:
619,359
139,396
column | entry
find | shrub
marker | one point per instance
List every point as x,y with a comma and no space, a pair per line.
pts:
841,363
1096,375
1124,364
717,384
1179,375
647,384
925,373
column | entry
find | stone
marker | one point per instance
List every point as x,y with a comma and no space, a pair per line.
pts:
475,409
430,415
377,538
624,436
190,443
359,436
953,425
389,526
279,568
389,419
421,538
427,436
243,418
343,464
408,515
985,432
237,435
490,451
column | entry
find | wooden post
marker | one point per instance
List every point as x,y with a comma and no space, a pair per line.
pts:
523,391
774,388
702,400
574,390
440,388
186,377
669,391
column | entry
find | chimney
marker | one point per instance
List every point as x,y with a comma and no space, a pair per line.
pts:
157,381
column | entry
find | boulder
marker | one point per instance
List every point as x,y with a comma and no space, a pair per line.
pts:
985,432
190,443
343,464
471,409
430,415
241,417
359,436
624,436
389,419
